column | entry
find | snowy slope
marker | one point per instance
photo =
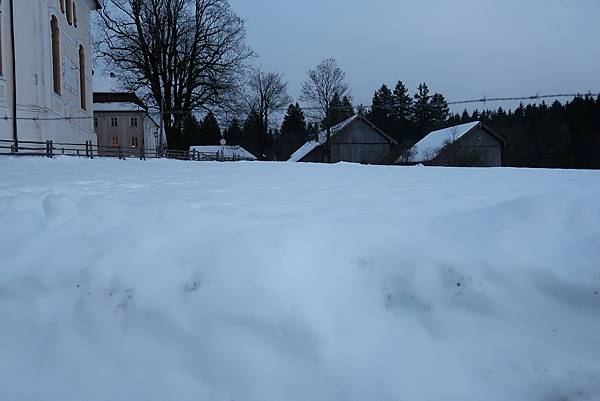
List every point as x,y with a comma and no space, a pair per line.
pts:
165,280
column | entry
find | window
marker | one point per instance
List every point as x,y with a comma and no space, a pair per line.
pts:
56,75
114,122
134,142
69,5
74,14
134,121
114,142
96,122
82,83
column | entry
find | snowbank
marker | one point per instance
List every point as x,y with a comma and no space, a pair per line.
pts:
164,280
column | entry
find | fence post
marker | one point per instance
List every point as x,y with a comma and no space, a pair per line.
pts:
51,149
91,150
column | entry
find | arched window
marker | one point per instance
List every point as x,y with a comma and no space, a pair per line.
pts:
56,75
82,83
69,11
74,14
62,6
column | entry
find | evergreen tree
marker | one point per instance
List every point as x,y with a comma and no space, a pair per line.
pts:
209,130
422,115
255,139
439,110
465,117
340,109
234,134
293,133
191,133
382,110
403,104
347,108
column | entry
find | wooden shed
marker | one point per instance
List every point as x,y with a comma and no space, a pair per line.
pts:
467,145
355,140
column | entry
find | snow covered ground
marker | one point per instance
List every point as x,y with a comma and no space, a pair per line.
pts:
165,280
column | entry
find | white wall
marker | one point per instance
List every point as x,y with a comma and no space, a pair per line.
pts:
35,94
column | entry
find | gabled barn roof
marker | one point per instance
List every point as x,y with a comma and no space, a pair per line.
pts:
322,137
437,140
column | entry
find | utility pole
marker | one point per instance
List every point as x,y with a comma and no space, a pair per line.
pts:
328,141
162,123
14,74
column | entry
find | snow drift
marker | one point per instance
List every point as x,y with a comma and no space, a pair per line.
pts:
164,280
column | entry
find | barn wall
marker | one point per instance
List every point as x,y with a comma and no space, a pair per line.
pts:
359,143
477,148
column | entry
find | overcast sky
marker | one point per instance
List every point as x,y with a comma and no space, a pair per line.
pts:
462,48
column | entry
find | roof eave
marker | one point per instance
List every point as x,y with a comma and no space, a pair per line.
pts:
493,133
376,128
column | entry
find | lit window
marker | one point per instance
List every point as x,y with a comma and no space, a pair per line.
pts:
134,122
114,122
114,142
134,142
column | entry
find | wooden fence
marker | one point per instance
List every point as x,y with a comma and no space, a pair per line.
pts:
90,150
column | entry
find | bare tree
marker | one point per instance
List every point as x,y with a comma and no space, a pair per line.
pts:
266,94
323,83
182,55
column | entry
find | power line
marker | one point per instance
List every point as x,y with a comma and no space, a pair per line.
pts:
483,100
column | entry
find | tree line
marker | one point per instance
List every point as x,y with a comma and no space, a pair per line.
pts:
540,135
188,58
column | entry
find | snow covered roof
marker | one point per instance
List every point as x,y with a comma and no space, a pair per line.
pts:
117,101
227,151
433,142
322,137
118,106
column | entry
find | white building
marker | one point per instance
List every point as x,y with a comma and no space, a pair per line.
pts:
123,124
46,71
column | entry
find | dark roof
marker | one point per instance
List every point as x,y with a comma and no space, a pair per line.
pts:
118,97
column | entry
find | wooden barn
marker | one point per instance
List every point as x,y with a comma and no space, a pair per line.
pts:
355,140
467,145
